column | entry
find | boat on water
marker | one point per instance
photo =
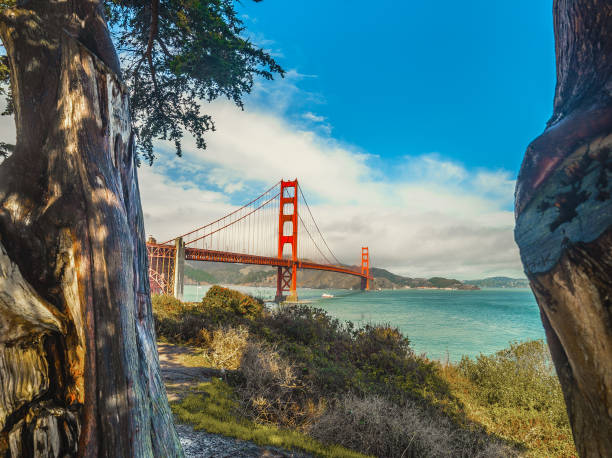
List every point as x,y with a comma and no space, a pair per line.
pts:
327,295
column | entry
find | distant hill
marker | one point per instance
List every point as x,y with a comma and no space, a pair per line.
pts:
238,274
199,276
225,273
440,282
499,282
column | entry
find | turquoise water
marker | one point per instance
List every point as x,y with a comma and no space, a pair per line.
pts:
438,323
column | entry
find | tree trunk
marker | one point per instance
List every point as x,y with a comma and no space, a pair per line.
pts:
564,220
79,371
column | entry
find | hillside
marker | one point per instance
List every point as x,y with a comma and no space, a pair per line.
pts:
238,274
361,387
499,282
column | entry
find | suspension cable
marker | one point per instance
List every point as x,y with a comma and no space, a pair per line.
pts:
230,214
313,241
229,224
317,226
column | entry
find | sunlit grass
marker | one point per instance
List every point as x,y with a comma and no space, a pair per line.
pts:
542,429
213,408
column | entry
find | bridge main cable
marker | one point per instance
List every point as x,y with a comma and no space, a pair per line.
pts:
228,215
319,230
313,240
233,222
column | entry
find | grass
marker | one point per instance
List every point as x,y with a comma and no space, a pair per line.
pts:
214,408
515,395
304,372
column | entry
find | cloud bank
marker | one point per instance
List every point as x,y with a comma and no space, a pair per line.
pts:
421,215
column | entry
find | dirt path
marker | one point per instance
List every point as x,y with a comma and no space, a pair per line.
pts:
179,378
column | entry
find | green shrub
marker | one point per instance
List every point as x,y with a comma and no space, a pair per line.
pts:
228,299
305,325
194,323
335,358
167,306
520,376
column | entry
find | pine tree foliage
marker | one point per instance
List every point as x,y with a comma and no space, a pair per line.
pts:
176,55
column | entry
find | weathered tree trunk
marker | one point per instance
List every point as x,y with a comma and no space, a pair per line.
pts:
564,220
79,371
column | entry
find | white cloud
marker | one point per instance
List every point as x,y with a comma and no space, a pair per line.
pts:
498,183
172,208
313,117
435,217
318,122
432,168
260,41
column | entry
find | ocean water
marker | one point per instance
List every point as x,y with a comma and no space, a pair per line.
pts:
442,324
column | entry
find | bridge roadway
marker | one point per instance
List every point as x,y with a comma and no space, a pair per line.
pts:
200,254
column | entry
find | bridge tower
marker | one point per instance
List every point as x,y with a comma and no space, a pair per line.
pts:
365,268
286,279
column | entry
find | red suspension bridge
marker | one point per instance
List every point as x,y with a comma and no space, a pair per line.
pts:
263,232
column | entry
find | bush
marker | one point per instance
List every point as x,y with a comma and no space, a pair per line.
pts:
226,347
376,426
520,376
272,392
177,321
234,301
335,358
194,323
166,306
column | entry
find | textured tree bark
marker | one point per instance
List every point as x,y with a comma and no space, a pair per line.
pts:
564,220
79,371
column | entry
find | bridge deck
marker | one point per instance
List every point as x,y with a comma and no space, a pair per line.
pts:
199,254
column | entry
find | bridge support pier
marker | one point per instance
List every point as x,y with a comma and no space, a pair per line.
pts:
179,267
293,297
365,268
288,215
286,280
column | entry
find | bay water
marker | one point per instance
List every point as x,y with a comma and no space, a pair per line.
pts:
442,324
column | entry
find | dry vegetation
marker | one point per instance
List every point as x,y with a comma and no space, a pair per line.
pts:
375,425
364,388
271,392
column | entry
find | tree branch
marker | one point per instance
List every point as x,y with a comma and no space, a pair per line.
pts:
152,36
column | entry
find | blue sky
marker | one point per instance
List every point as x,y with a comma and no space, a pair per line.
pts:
472,80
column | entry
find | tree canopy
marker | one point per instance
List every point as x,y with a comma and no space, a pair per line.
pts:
176,54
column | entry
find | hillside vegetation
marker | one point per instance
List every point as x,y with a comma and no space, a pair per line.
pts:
301,371
238,274
500,282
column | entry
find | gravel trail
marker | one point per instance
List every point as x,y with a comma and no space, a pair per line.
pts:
201,444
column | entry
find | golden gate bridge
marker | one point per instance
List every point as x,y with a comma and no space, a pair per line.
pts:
262,232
